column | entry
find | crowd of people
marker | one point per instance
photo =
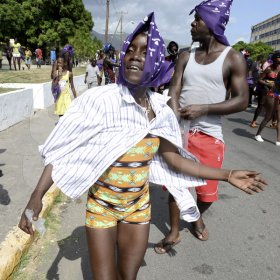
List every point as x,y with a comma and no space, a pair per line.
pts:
19,56
263,82
115,139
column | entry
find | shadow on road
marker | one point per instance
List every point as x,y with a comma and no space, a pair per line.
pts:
247,134
72,248
160,214
243,132
239,120
4,195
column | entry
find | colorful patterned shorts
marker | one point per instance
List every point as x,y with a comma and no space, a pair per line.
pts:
122,192
100,214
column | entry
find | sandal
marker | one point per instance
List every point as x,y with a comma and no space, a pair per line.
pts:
201,233
164,246
273,125
253,124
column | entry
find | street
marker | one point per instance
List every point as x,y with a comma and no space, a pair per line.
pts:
244,240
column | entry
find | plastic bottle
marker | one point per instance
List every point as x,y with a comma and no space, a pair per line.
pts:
39,224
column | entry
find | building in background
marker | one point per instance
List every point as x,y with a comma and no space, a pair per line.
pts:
268,32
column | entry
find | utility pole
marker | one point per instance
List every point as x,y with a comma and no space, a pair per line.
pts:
107,20
121,31
121,28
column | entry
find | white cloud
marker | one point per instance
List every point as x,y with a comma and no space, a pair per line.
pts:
245,39
240,39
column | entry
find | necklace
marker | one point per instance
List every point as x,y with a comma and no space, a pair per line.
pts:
148,107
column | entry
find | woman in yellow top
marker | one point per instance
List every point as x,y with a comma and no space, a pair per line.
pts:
16,53
63,82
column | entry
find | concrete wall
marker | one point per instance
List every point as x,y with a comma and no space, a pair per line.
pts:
42,96
17,105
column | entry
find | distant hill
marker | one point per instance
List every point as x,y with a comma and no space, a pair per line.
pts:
116,40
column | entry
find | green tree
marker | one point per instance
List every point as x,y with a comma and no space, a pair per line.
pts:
84,44
47,23
257,49
52,22
12,23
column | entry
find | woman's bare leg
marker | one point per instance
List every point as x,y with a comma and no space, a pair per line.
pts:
14,62
269,109
102,246
18,61
132,245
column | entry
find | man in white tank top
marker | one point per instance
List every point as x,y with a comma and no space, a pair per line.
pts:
202,79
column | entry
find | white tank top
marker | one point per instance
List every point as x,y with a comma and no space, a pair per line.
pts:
204,84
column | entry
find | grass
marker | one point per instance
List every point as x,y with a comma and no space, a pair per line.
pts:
27,268
34,75
4,90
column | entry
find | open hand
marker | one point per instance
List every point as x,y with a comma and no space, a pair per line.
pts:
247,181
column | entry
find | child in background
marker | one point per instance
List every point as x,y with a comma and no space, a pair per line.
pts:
62,84
28,55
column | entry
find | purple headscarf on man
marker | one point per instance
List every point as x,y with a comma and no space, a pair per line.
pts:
215,14
157,71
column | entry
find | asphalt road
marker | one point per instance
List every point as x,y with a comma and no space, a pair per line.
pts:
244,230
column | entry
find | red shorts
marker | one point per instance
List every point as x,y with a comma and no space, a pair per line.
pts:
210,152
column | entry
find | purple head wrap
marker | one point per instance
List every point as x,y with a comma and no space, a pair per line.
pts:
69,49
215,14
157,71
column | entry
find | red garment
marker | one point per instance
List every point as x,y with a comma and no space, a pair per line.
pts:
38,53
210,152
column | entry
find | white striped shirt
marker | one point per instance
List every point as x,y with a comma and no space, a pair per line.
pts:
103,124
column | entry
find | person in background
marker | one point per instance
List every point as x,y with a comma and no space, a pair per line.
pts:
277,108
28,56
9,53
52,56
112,143
271,94
91,76
109,64
259,91
62,85
242,51
198,91
39,56
67,53
252,75
16,54
99,62
268,62
172,50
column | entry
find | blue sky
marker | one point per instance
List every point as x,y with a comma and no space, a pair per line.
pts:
246,13
173,20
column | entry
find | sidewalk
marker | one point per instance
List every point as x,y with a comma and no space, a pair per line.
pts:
21,166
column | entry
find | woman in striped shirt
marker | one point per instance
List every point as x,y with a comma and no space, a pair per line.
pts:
112,143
